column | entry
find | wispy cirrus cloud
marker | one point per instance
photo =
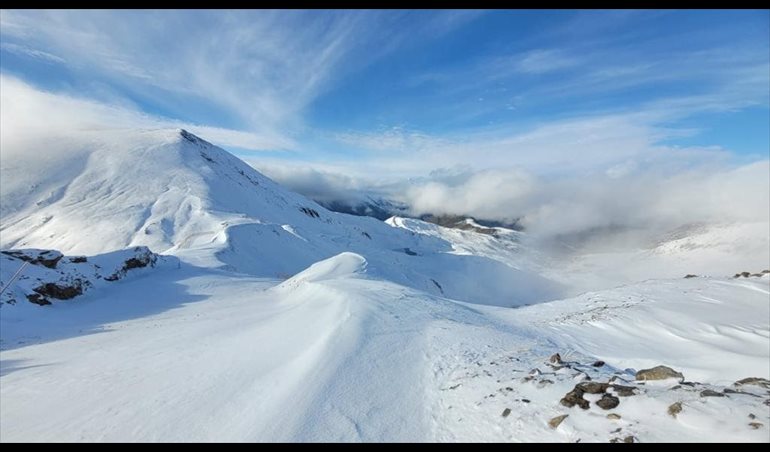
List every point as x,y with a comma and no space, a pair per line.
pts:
29,52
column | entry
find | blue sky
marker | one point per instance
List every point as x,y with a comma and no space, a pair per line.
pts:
407,93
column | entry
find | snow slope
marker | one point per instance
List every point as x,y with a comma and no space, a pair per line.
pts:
277,320
335,355
180,195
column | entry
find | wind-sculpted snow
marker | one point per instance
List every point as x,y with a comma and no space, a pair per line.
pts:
265,317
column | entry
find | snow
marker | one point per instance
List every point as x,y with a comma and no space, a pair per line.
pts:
270,318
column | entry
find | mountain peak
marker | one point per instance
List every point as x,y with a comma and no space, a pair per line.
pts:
192,138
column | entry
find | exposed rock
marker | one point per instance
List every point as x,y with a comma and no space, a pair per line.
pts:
762,382
745,274
658,373
690,276
526,400
535,372
60,291
143,257
592,387
613,416
38,299
544,382
78,259
755,425
675,408
630,439
765,271
598,363
506,412
752,416
623,391
555,359
710,393
574,397
555,422
733,391
46,258
608,402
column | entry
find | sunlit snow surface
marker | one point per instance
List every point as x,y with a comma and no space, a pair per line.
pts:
272,323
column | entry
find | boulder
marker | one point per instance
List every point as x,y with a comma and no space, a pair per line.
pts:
658,373
710,393
756,381
675,408
574,397
555,422
608,402
592,387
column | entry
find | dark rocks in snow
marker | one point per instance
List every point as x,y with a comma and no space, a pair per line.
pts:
555,422
755,425
46,258
143,257
592,387
675,408
506,412
690,276
613,416
756,381
38,299
312,213
608,402
78,259
658,373
574,397
555,358
60,291
623,391
598,363
711,393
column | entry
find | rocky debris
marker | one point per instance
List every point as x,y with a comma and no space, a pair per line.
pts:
535,372
658,373
623,391
592,387
613,416
312,213
555,359
755,425
690,276
143,257
765,271
627,439
506,412
711,393
526,400
574,397
733,391
598,363
675,408
46,258
761,382
752,416
78,259
61,291
555,422
38,299
767,402
608,402
544,382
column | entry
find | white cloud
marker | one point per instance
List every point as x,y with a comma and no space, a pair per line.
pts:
28,112
34,53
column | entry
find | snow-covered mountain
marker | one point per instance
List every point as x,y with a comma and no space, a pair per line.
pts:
266,317
178,194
